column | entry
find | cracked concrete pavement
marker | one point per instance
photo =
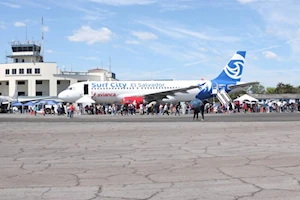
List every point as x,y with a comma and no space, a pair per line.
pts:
149,161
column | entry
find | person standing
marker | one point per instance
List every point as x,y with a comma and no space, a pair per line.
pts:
44,110
166,109
72,108
202,111
35,109
68,110
196,113
178,106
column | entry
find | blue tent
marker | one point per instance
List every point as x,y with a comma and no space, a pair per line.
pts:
46,102
51,102
29,103
17,104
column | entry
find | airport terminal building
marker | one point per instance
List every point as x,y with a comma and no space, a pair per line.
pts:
33,77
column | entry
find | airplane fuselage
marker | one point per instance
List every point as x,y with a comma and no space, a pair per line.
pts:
115,91
166,91
108,92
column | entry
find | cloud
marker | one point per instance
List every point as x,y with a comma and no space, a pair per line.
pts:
124,2
176,52
91,36
202,49
195,63
280,22
132,42
90,11
166,31
266,48
19,24
285,75
50,51
36,4
181,33
45,29
175,6
246,1
92,14
145,35
204,36
270,55
10,5
2,25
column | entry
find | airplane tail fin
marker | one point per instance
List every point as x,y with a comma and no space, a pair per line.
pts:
15,96
232,72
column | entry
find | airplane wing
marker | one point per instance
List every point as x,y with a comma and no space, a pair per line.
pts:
25,99
163,94
16,98
240,86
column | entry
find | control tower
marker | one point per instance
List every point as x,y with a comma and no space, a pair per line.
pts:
29,52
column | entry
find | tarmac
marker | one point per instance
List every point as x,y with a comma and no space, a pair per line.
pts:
226,157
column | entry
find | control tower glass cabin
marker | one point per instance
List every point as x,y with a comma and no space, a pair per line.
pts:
29,52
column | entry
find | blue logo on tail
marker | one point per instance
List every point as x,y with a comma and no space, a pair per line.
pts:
234,69
232,72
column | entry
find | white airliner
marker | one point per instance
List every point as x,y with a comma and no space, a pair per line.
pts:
166,91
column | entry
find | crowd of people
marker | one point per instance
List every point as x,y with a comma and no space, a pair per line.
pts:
141,109
133,109
153,108
266,107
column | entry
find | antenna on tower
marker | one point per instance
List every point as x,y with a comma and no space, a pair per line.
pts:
109,64
43,38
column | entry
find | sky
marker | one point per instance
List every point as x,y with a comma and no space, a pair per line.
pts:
161,39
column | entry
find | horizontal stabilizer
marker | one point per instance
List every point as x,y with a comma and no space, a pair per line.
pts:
239,86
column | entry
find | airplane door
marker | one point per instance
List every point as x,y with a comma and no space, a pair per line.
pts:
215,87
86,89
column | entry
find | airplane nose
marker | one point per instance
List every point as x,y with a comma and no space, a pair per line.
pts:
68,96
62,95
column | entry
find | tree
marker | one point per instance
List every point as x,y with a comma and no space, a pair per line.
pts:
271,90
288,88
257,89
282,88
297,90
234,95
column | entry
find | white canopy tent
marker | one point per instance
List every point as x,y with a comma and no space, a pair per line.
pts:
85,100
246,98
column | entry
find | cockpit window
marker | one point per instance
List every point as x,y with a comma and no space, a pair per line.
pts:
70,88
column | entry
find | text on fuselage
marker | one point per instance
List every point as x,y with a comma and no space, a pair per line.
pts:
124,85
104,94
